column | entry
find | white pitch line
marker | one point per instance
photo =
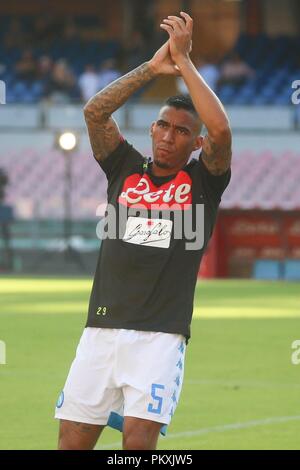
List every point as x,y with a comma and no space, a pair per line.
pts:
243,383
220,428
234,426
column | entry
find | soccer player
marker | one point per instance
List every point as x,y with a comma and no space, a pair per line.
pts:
129,363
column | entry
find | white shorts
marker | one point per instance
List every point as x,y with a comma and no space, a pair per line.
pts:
118,372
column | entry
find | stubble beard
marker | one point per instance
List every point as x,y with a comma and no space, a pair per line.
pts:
163,165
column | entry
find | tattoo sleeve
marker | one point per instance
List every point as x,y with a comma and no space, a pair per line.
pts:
103,130
216,156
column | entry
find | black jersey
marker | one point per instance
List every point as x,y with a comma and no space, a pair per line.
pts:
147,270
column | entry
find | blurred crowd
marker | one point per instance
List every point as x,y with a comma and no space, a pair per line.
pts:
232,71
58,82
64,60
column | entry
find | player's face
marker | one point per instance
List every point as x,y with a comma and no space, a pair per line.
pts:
175,135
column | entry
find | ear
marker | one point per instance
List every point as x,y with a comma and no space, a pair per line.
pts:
198,142
152,127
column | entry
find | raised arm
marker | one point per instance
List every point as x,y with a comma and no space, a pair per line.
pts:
216,150
103,130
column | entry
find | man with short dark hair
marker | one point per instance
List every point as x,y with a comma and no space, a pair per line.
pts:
128,369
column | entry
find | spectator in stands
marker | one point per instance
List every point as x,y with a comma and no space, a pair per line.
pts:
88,83
26,67
44,68
46,29
235,71
108,73
144,18
3,69
134,50
70,33
15,36
208,71
62,83
44,71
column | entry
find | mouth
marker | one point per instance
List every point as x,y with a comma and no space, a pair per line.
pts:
164,150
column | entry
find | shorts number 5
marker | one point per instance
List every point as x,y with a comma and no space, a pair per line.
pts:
157,399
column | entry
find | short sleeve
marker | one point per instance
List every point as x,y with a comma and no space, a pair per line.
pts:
213,185
123,159
114,161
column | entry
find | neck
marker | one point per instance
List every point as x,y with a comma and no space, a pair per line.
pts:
158,171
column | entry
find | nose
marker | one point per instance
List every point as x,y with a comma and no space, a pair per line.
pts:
168,135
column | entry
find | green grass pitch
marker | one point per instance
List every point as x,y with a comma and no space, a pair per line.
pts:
241,390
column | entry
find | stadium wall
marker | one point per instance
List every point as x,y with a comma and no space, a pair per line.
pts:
226,256
245,240
43,141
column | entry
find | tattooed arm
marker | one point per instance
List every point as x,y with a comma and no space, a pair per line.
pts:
216,152
103,129
216,149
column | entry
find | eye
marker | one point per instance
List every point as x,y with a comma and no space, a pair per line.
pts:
162,124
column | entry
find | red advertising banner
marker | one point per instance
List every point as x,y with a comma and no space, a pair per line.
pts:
251,230
241,237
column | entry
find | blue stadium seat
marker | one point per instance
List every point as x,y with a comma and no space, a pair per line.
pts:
37,89
226,93
6,79
267,269
28,97
11,97
19,89
292,270
241,100
282,100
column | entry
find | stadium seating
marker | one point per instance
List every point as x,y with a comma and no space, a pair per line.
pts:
77,51
275,61
36,186
37,182
255,181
